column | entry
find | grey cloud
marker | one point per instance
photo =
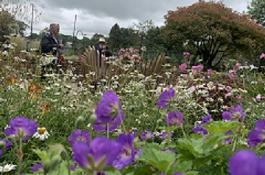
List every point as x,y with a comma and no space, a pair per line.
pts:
97,16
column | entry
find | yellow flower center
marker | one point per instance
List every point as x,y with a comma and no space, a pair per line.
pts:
41,131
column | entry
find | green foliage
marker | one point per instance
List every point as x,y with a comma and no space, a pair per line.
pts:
213,32
257,10
6,22
163,161
115,38
208,151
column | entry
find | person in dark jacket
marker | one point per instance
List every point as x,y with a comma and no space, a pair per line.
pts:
50,45
50,42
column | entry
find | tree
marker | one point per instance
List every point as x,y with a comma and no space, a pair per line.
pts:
257,10
142,29
115,38
6,22
130,38
213,32
154,42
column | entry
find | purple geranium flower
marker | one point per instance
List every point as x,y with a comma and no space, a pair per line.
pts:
109,112
5,144
164,134
81,153
261,167
146,135
108,107
257,135
235,113
101,150
36,167
206,119
73,166
111,126
21,126
175,118
165,97
127,153
229,139
79,136
243,163
199,129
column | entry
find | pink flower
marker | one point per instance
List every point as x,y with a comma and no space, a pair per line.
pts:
183,68
186,54
232,74
209,72
197,69
236,66
262,56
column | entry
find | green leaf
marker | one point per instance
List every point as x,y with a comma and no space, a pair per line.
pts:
161,160
220,127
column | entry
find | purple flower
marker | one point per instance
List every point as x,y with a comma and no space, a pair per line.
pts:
36,167
146,135
5,144
21,126
178,174
81,153
235,113
165,98
228,140
109,113
73,166
199,129
101,150
79,136
175,118
243,163
164,134
261,167
257,135
127,153
108,107
111,126
206,119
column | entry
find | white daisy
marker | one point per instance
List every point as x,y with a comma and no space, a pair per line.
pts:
7,168
41,134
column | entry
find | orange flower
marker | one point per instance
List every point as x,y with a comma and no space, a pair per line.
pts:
45,108
11,79
34,90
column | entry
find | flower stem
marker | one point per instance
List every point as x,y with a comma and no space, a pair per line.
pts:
107,129
183,132
20,155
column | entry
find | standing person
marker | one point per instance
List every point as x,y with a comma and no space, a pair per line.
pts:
100,47
51,49
50,43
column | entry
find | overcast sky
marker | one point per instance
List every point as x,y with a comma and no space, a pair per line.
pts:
98,16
